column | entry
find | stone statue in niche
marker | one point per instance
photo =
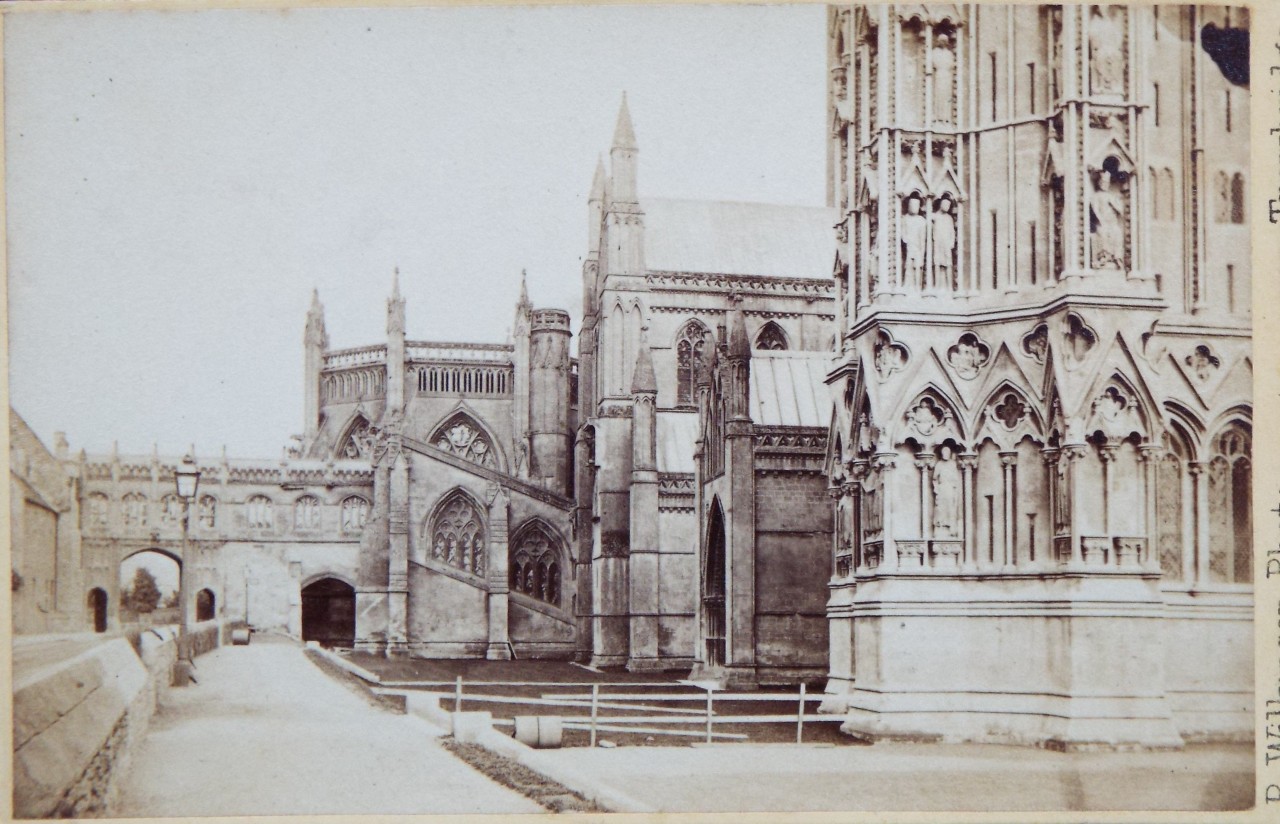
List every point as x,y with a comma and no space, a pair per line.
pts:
944,242
943,66
873,255
1106,50
1107,217
946,496
914,230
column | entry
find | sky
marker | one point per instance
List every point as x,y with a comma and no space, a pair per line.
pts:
179,181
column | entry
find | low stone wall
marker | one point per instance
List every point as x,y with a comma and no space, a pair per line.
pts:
76,723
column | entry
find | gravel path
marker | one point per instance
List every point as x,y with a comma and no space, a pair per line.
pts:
265,732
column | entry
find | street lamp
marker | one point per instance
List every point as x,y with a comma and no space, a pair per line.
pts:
186,478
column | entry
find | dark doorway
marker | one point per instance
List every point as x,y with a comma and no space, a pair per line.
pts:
98,606
329,613
713,589
205,605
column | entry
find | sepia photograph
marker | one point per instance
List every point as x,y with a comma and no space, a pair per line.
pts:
668,409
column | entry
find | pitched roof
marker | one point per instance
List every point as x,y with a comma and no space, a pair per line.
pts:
789,388
727,238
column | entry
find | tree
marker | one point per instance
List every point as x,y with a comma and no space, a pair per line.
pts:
143,596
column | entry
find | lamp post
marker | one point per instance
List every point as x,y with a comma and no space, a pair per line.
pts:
186,477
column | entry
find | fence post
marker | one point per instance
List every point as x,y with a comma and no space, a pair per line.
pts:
595,699
457,695
710,697
800,717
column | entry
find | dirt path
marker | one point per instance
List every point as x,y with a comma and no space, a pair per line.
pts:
267,733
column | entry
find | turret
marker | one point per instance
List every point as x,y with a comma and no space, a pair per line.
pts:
520,379
315,340
644,393
395,351
549,436
737,367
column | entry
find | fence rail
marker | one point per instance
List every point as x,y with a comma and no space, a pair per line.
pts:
638,712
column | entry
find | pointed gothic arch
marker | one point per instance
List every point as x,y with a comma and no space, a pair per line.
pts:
536,560
455,532
461,434
771,337
690,347
714,587
1230,472
353,443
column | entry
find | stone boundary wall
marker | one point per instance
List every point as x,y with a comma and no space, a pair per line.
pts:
75,724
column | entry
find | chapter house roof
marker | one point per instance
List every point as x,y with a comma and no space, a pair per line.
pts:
789,388
727,238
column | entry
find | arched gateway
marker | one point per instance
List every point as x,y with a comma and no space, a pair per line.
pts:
329,613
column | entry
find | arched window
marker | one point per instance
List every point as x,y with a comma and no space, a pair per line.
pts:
460,435
207,512
1221,197
355,513
205,605
257,511
690,349
134,509
306,512
1230,516
771,337
96,509
1172,501
534,564
456,534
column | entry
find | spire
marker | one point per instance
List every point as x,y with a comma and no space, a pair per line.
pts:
597,182
395,284
642,378
315,334
524,290
624,136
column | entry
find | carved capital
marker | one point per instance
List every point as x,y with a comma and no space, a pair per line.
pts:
1195,468
968,461
1008,458
925,462
885,461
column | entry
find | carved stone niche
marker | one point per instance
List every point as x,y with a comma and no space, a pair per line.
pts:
1035,344
968,355
1202,362
889,355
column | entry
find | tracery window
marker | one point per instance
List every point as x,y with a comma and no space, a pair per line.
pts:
134,509
356,443
1172,500
171,510
207,511
97,509
457,534
771,337
690,350
355,513
534,565
306,512
463,437
257,510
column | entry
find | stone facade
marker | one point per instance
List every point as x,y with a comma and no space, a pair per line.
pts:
1041,453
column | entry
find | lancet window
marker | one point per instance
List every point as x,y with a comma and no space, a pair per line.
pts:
355,513
1230,517
97,509
134,507
258,512
207,511
306,512
171,510
771,337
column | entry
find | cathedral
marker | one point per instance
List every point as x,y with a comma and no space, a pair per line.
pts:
970,445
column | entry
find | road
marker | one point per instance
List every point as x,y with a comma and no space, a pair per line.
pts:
265,732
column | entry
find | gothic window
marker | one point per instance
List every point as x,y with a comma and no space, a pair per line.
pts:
134,508
306,512
463,437
771,337
690,350
1221,197
355,513
207,512
457,534
356,443
535,565
257,510
1171,502
1230,516
171,510
97,509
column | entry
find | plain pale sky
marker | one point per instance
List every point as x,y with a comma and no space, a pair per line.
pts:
178,181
